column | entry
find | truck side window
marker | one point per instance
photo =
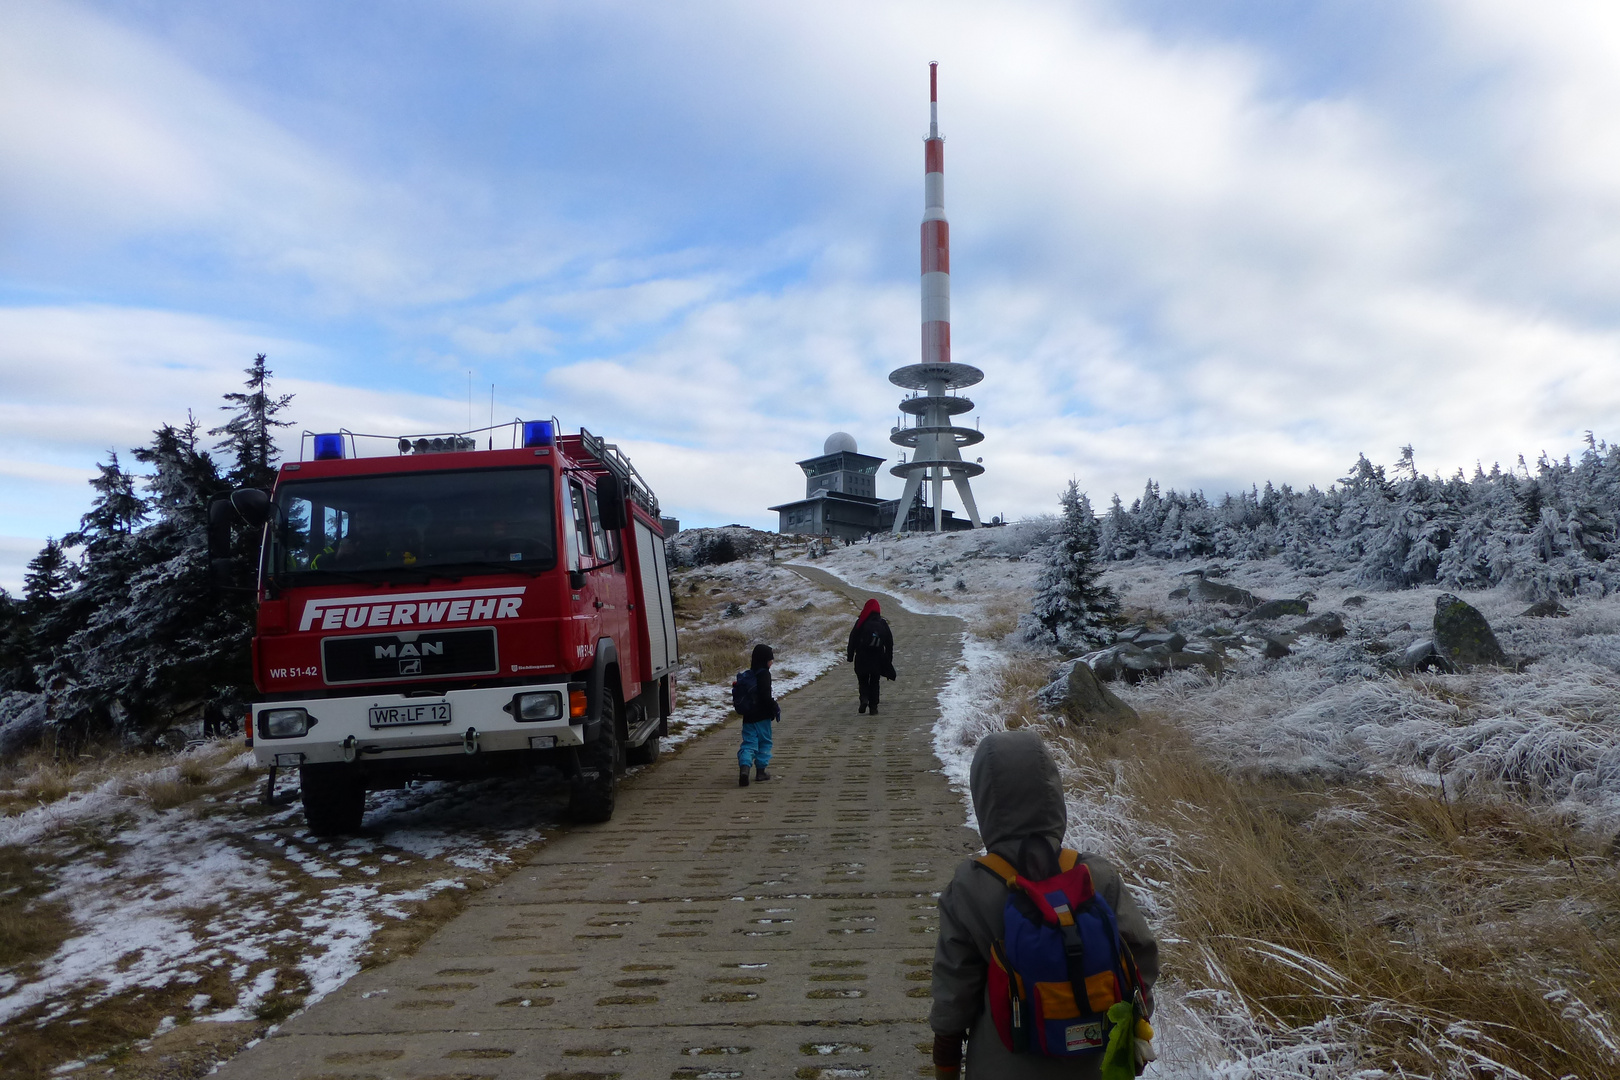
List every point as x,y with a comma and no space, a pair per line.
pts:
582,525
604,543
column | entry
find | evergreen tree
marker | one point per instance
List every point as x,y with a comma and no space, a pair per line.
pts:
16,647
1071,604
153,637
184,478
250,432
115,511
1554,531
48,579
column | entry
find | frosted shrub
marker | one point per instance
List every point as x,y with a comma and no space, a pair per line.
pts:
1017,540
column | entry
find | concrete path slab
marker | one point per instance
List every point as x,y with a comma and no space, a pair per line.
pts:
707,932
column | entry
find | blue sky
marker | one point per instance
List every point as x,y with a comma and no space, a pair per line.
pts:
1211,244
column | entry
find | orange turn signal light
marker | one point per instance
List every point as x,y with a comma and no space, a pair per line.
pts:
576,703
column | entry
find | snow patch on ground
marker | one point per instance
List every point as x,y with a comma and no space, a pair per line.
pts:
166,896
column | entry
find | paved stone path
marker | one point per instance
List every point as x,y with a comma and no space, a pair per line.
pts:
707,931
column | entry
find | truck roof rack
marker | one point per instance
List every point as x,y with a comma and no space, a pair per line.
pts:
614,460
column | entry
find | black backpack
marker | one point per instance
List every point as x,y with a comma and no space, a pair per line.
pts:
872,641
745,693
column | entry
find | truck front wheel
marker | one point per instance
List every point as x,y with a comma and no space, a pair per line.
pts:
597,787
334,799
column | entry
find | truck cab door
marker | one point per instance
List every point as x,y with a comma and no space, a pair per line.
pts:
577,546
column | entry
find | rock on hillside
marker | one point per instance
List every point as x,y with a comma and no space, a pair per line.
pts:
1327,625
1082,699
1204,591
1274,609
1462,635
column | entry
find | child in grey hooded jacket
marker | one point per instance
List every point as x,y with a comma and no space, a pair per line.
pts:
1018,799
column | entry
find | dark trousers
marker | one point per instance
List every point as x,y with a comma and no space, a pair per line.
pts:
868,682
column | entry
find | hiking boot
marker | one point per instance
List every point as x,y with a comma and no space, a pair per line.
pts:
873,710
742,777
761,775
862,708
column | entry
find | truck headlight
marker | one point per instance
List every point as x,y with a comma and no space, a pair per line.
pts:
284,723
542,706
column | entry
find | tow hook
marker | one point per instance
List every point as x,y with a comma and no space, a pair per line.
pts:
351,747
469,741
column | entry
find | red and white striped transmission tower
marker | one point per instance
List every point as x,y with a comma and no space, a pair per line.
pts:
936,442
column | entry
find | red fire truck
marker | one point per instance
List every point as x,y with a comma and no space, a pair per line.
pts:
455,612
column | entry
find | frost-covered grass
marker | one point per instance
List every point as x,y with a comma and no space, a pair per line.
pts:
1355,873
1548,733
1356,925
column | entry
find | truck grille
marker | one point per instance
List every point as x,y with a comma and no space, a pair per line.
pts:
425,654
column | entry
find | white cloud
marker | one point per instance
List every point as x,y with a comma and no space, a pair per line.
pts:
79,380
1166,265
118,149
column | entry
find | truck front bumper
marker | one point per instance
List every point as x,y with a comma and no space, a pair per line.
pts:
480,722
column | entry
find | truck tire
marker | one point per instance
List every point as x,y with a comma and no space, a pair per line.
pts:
334,799
592,795
646,753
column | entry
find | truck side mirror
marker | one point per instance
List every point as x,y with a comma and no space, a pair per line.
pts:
253,504
610,501
220,563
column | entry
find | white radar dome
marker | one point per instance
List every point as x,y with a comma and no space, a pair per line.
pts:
839,442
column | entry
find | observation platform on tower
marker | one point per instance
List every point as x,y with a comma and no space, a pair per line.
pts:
947,376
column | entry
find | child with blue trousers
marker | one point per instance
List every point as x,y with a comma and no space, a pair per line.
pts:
762,710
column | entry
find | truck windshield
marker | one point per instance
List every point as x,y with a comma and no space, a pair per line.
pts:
465,522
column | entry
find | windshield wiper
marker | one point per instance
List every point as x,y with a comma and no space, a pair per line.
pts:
508,567
381,575
316,577
423,575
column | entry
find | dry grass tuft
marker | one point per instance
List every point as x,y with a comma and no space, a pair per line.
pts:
167,794
199,772
1429,931
32,1051
195,770
30,928
1015,684
47,785
714,654
1001,617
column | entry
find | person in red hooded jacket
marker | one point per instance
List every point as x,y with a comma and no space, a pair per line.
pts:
871,646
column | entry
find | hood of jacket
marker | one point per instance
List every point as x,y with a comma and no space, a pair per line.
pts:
763,655
1017,792
868,611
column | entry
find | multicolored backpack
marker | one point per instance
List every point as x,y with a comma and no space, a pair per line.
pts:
1060,964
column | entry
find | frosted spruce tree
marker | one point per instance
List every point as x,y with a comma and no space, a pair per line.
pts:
49,577
148,637
1071,604
250,433
140,637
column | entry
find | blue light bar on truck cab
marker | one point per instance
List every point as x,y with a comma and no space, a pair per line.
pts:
329,447
538,433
